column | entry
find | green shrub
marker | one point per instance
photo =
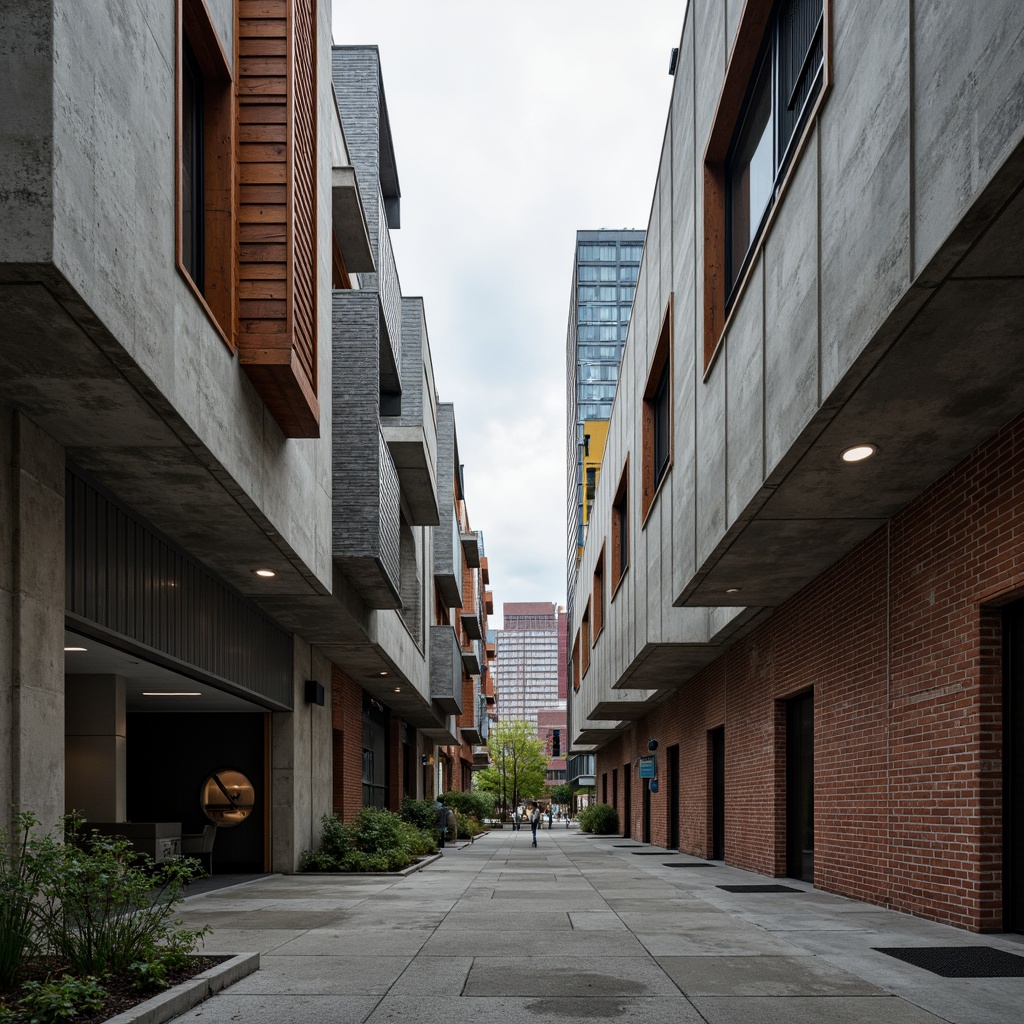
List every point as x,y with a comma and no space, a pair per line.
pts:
473,804
27,864
375,841
421,813
468,827
55,1001
600,819
107,907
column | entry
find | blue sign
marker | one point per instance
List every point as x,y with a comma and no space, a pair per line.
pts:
648,766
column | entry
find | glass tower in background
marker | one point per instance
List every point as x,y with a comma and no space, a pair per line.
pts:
604,277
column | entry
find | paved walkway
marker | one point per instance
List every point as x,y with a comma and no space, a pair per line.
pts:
579,929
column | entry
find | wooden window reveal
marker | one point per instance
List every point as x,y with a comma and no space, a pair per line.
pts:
599,596
585,640
277,209
576,663
204,166
620,529
657,417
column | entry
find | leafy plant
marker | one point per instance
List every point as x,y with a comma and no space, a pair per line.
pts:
421,813
27,862
601,819
475,804
468,827
106,907
54,1001
518,764
375,841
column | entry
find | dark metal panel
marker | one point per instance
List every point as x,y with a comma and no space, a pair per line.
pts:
124,576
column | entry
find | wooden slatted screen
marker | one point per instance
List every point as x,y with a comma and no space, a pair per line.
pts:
276,213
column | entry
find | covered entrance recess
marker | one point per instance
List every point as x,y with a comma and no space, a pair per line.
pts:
1013,777
800,787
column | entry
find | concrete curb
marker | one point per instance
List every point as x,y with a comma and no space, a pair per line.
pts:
177,1000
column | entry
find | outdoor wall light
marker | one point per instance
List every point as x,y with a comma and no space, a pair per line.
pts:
652,744
315,693
76,648
859,452
264,573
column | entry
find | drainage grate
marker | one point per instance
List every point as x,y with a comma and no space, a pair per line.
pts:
959,961
759,888
688,864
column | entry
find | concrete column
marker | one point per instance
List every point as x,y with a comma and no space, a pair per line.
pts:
301,764
94,733
31,619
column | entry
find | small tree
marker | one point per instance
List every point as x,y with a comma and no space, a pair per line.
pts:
518,764
561,794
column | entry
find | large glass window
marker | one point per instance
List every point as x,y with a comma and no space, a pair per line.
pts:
608,273
628,273
787,79
588,273
627,292
608,333
608,293
585,294
631,252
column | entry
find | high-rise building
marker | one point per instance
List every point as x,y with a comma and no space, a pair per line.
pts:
526,664
604,277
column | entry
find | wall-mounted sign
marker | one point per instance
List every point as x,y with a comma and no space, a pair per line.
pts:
648,766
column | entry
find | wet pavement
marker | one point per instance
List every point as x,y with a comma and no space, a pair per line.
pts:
581,929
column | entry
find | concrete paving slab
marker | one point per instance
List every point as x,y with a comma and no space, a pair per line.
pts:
596,921
527,1010
568,977
228,1008
364,942
536,943
763,976
716,942
324,975
467,920
799,1010
434,976
246,940
272,920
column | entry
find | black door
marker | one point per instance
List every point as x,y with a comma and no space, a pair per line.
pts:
716,740
647,811
1013,761
800,787
673,798
627,794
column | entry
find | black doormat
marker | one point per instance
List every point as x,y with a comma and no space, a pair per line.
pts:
626,846
652,853
959,961
688,864
759,888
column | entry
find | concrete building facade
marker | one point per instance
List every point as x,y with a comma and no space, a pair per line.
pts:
218,417
800,590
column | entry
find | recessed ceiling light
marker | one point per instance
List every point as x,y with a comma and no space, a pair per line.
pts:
398,689
382,674
265,573
76,648
859,452
733,590
171,693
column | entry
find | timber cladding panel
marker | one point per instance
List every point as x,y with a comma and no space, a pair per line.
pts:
900,641
276,215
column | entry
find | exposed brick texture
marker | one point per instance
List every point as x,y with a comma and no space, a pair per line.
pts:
347,723
900,641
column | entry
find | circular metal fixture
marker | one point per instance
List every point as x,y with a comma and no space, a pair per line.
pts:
859,452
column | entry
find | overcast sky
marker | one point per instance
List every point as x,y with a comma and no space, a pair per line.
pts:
514,125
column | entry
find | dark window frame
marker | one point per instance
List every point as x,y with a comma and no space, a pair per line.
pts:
750,39
620,530
658,419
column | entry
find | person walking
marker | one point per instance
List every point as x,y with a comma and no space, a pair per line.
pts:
442,820
550,815
534,820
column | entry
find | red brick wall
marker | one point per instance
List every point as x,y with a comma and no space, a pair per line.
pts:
900,641
347,723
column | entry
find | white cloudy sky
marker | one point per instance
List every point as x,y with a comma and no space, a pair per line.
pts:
514,125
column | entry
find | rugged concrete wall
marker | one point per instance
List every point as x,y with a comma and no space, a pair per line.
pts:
26,133
31,619
301,765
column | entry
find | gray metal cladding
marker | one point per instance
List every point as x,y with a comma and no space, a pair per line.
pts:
390,507
447,541
122,575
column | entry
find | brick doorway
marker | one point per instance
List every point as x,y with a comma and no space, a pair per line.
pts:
1013,778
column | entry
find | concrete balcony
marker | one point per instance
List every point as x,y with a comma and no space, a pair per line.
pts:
472,548
447,540
481,757
471,734
471,624
445,670
349,222
471,658
409,420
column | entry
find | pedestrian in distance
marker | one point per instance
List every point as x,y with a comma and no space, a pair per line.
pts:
442,820
534,820
550,815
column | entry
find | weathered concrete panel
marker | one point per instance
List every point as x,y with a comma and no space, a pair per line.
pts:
710,461
745,398
865,168
791,313
26,133
968,109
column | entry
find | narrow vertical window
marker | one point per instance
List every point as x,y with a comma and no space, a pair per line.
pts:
657,415
193,202
599,596
585,640
620,529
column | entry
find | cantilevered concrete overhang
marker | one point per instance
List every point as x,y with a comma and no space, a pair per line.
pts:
943,373
349,221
